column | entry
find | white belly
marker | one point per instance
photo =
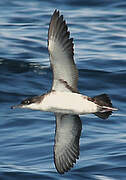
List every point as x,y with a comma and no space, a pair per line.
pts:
65,102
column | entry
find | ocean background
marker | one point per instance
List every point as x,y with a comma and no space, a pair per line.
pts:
27,137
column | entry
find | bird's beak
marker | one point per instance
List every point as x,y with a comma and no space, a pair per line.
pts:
17,106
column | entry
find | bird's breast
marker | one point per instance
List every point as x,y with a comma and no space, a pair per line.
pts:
68,103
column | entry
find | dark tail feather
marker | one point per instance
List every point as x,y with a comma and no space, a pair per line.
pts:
103,115
103,100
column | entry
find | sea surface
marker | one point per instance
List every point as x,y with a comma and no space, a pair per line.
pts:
27,137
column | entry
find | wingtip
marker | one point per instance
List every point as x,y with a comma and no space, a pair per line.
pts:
56,12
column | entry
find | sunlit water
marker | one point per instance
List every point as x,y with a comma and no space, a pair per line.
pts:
27,137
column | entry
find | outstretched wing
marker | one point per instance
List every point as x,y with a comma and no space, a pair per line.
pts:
61,52
65,77
66,148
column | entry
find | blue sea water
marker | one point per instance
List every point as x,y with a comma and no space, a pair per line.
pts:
27,137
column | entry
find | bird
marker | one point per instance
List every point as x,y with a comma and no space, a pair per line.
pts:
64,98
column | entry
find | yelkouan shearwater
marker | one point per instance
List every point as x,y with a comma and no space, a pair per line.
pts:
64,98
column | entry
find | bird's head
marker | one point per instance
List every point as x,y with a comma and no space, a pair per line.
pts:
30,103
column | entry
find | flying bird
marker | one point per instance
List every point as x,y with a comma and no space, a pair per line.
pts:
64,98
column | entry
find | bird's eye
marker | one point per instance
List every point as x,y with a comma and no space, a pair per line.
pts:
26,102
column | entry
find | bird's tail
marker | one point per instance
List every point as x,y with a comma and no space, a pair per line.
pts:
105,105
